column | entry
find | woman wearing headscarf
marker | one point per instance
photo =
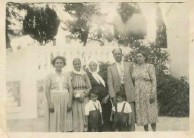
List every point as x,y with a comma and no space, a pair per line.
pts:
81,87
99,85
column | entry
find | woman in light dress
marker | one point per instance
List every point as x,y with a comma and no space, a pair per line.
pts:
59,97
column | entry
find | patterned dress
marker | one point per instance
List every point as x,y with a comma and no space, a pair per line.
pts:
80,84
60,120
145,85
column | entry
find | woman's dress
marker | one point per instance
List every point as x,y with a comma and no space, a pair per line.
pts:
145,85
60,120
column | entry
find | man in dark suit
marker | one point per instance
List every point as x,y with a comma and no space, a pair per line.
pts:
120,81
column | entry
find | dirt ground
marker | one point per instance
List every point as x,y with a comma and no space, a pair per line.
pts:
39,125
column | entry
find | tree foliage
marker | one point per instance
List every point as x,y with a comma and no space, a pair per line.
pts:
80,28
82,12
41,24
126,11
161,36
14,19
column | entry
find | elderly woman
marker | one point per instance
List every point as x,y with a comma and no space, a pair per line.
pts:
81,87
99,84
145,88
59,97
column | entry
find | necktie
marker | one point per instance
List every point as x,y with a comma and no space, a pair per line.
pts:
121,72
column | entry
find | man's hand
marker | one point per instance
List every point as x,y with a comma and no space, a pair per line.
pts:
129,122
105,99
102,121
111,119
85,125
114,101
69,107
51,108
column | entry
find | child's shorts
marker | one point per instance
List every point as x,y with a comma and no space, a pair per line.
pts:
120,121
94,119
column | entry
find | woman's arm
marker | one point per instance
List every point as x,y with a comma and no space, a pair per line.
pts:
111,90
131,72
107,97
86,113
88,84
48,95
152,75
86,121
102,121
70,89
100,108
111,115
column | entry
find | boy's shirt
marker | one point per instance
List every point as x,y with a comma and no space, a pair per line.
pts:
90,106
127,108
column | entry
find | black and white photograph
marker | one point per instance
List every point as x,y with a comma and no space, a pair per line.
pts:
97,67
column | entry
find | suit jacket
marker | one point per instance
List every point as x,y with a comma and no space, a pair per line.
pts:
114,82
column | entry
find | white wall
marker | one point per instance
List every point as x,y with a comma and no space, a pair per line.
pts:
177,22
20,66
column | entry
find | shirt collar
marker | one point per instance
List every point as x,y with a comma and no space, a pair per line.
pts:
119,63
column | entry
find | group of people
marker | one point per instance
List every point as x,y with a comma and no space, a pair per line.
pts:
84,101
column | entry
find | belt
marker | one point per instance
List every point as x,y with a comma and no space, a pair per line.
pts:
59,91
79,88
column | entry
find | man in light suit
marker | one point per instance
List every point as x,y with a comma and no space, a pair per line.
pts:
120,81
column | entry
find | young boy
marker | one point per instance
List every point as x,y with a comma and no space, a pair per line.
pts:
121,114
93,113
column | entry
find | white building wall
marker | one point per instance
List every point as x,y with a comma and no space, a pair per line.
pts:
21,67
177,23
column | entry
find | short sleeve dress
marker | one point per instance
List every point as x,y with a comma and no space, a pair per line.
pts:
145,85
60,120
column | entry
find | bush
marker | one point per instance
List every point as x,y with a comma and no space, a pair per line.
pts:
103,69
173,96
